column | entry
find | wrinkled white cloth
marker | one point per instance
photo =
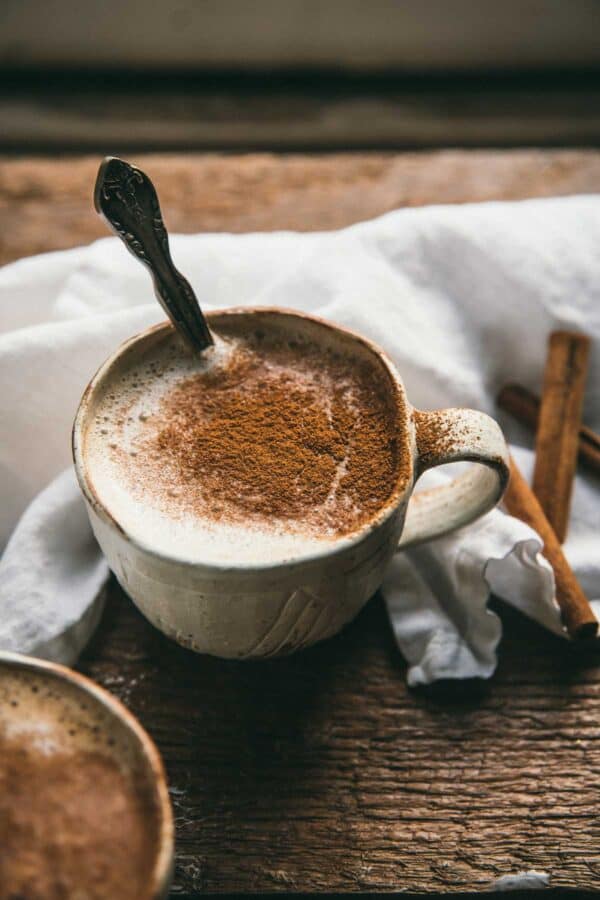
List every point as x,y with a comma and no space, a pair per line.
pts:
461,297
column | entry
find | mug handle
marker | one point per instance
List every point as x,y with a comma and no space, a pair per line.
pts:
455,435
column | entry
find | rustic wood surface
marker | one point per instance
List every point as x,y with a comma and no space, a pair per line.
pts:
45,204
323,772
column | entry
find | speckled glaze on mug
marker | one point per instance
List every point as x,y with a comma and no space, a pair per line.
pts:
263,610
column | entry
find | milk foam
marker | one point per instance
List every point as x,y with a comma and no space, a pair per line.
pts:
123,415
53,716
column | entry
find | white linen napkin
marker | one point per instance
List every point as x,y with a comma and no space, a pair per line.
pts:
461,297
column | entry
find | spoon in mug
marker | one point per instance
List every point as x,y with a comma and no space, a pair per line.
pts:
127,200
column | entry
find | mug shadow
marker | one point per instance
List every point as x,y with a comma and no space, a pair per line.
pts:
235,734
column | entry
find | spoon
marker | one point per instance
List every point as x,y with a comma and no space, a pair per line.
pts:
127,200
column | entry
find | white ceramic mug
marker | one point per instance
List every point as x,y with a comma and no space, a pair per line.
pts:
258,610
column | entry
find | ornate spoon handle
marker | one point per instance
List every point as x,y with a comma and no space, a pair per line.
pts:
126,198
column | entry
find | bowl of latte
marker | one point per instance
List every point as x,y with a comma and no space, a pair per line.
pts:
84,806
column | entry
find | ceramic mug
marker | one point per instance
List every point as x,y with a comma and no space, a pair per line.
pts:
258,610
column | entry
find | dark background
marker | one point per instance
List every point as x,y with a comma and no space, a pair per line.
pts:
297,74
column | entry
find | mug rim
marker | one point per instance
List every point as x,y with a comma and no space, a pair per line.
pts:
403,485
162,870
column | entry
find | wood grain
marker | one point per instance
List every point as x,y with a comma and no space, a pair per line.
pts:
323,772
45,204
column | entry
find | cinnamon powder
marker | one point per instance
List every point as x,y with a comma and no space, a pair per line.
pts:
280,432
71,825
436,436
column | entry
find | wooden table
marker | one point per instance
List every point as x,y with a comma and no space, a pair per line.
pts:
323,772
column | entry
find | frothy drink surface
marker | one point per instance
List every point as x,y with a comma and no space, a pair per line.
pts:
76,816
265,447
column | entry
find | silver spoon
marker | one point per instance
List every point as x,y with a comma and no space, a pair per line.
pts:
126,198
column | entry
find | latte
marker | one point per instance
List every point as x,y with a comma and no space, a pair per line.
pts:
273,442
77,810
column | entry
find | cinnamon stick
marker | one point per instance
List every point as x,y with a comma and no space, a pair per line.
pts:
577,614
524,406
558,426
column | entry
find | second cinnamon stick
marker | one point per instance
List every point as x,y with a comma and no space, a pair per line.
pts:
525,407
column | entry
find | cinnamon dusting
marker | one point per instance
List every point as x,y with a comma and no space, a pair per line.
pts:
280,431
436,436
